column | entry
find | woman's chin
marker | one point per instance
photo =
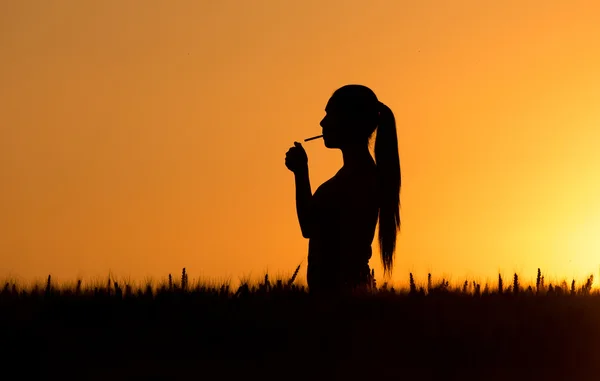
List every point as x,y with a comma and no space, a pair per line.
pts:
329,143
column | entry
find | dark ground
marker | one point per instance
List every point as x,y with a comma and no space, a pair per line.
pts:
290,335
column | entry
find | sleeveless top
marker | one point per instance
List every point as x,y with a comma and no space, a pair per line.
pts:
344,213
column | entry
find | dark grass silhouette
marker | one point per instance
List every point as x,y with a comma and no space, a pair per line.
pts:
274,329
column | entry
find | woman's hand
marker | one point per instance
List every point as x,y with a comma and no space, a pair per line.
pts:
296,159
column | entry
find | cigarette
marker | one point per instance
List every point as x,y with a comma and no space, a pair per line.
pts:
313,138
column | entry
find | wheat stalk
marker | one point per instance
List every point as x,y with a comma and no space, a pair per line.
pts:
293,278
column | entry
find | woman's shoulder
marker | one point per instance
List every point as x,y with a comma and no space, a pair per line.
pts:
353,183
327,185
365,175
351,178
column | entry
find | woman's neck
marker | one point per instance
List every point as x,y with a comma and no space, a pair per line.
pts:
357,156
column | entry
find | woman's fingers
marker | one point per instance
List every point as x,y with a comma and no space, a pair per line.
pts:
295,157
294,151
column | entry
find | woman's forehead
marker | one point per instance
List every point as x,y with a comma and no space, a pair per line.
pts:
349,103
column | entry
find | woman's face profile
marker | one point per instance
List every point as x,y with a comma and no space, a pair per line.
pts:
332,124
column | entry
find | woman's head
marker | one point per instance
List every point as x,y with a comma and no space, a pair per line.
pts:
352,114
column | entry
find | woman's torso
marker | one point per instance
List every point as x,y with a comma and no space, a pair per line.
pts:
345,216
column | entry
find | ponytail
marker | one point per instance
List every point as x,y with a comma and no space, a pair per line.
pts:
388,181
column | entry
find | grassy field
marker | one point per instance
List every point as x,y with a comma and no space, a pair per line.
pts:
276,330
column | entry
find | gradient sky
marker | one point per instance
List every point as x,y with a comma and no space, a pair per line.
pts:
140,137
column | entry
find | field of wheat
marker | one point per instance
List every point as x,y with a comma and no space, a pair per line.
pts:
275,329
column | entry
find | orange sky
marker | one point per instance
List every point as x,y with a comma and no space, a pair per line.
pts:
142,139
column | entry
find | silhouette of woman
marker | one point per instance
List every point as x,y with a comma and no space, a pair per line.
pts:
340,218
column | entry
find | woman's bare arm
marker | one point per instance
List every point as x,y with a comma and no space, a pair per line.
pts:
303,202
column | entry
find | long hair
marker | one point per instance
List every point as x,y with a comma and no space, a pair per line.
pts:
389,181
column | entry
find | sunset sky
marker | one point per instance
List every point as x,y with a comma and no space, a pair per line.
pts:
140,137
